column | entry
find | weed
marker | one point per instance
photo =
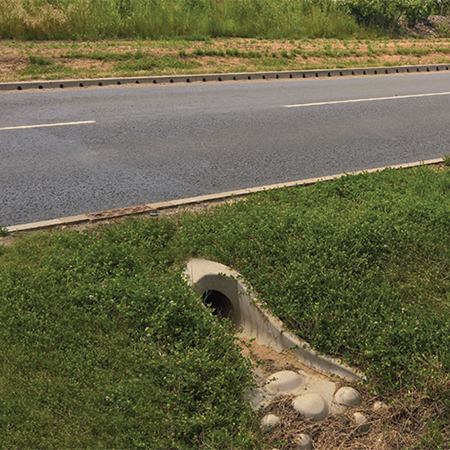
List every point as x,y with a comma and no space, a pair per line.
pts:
39,61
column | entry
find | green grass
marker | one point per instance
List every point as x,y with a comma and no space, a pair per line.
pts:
91,19
206,19
104,346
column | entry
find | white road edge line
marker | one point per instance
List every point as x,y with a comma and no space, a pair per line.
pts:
367,100
48,125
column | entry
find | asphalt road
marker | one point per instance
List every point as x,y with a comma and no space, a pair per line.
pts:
145,144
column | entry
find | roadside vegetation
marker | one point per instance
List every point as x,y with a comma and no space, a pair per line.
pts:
27,60
104,346
43,39
263,19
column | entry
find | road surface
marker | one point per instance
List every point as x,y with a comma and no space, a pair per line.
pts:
68,152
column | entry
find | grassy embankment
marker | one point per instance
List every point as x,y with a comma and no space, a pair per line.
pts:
74,39
103,345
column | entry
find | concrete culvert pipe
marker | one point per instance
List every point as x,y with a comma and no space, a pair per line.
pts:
223,291
219,303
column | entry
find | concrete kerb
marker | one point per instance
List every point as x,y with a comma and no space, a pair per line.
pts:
205,198
258,323
199,78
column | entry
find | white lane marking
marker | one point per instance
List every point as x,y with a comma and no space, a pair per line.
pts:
367,100
48,125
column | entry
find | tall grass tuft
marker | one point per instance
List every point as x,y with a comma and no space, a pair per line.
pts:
93,19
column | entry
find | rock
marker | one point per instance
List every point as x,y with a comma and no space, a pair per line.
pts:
304,442
269,421
312,406
284,383
361,421
348,396
379,405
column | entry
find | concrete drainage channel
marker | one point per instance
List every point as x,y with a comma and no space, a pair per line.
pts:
314,397
281,75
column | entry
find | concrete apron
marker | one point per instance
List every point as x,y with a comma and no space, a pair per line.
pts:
222,289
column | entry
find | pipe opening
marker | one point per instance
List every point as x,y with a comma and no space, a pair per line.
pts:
219,303
81,85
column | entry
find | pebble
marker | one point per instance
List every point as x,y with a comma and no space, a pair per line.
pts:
270,420
284,383
305,442
312,406
361,421
348,396
379,405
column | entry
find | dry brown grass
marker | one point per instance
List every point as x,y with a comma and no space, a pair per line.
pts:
254,55
401,425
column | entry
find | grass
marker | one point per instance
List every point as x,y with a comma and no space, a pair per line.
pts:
105,346
66,59
73,19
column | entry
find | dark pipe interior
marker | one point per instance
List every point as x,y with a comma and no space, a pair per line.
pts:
219,303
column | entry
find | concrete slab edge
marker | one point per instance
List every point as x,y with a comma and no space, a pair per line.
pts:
199,78
211,197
